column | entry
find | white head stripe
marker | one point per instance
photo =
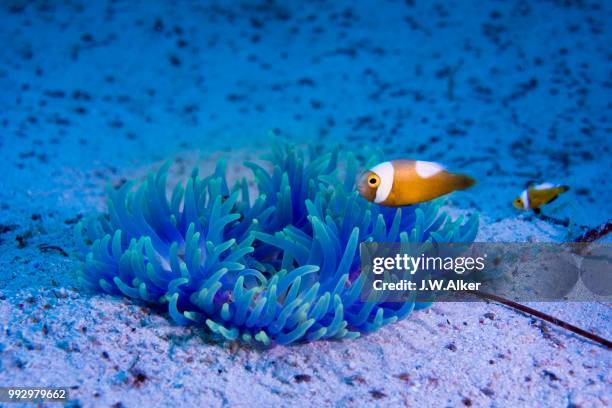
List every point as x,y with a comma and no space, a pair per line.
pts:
386,172
525,199
427,169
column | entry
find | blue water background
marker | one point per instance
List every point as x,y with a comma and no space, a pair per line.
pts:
505,91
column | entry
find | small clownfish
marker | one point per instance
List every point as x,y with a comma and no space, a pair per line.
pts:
406,182
537,195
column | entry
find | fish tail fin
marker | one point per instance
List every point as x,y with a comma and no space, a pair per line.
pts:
463,182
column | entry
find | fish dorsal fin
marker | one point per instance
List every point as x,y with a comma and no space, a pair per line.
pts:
427,169
544,186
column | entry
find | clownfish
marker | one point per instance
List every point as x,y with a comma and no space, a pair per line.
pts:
406,182
537,195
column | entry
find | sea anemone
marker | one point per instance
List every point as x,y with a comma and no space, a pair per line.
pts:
281,268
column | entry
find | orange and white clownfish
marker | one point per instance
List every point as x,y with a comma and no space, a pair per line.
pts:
537,195
405,182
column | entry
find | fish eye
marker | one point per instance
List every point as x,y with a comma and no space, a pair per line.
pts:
373,181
